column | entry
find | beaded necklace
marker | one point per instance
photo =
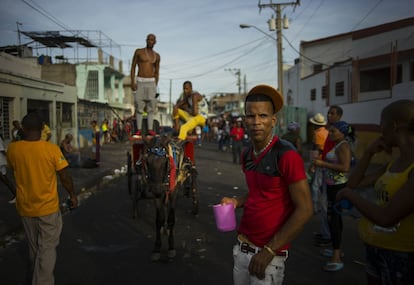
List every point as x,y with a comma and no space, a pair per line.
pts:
257,153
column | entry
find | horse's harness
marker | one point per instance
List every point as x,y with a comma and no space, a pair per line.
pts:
174,169
160,151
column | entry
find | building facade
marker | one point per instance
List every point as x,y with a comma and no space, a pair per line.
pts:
354,70
22,90
361,71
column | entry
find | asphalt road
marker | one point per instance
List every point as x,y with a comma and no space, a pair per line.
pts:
102,244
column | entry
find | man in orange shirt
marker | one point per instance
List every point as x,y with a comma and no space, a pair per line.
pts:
320,132
35,163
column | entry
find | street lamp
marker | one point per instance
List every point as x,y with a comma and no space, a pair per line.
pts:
274,26
245,26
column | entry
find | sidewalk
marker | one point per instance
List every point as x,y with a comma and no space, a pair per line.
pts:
113,156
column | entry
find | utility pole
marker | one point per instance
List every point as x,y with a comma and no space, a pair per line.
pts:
19,39
237,72
277,8
244,84
170,104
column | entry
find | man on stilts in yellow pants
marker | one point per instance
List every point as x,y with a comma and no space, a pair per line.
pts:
191,108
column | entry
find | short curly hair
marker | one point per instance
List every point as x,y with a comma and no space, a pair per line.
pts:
32,121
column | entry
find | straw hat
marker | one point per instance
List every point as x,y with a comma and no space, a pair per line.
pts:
318,119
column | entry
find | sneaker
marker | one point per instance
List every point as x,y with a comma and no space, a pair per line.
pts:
151,133
12,201
333,266
327,252
138,133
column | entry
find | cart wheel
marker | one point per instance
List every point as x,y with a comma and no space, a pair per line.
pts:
140,186
136,196
129,172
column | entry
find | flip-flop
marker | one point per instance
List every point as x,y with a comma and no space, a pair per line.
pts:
333,266
327,252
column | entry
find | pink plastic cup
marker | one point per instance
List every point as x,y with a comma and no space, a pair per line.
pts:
225,217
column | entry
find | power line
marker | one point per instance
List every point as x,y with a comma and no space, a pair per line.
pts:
46,14
303,10
221,66
209,57
366,15
308,58
320,4
307,21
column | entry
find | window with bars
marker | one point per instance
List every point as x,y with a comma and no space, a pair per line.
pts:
5,117
92,86
339,89
67,113
313,94
324,92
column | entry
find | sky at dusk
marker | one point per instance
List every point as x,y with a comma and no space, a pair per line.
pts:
199,40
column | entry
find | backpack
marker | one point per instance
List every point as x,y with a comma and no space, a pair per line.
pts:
273,156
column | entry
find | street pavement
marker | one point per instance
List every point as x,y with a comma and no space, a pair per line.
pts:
85,180
102,244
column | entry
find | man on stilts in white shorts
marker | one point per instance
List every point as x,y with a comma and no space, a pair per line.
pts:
145,83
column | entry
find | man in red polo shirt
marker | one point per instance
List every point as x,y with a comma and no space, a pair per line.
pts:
278,203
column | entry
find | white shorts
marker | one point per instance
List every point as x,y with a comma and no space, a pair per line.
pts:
145,97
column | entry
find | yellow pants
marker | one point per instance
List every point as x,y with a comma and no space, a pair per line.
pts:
190,123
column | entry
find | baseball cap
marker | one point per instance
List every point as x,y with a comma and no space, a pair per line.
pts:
269,91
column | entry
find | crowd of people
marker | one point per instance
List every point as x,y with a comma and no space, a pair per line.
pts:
282,194
387,225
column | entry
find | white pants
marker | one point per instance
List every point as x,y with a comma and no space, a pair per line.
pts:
43,235
275,271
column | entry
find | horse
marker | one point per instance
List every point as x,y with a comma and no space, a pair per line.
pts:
164,169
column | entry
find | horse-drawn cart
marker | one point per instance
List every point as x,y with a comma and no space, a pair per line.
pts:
157,168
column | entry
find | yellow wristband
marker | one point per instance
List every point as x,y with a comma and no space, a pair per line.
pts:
269,250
